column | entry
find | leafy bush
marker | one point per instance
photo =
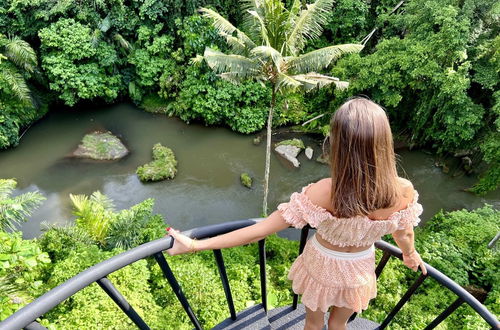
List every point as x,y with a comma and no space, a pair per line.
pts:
243,107
22,267
456,244
78,66
163,166
110,229
91,308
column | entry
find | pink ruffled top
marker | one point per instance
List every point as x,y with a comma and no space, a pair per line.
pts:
355,231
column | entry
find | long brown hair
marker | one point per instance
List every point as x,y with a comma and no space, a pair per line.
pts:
363,165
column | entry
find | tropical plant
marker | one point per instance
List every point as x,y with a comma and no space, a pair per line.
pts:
14,210
17,60
94,214
270,51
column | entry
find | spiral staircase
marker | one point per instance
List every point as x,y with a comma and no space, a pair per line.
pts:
255,317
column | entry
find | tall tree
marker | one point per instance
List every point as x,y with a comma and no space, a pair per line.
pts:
271,51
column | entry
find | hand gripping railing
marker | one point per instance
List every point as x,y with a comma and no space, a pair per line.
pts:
26,317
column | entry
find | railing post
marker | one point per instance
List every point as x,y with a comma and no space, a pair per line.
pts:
447,312
262,266
162,262
303,239
120,300
383,261
403,301
225,282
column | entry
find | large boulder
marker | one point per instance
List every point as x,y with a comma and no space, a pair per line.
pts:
289,150
101,146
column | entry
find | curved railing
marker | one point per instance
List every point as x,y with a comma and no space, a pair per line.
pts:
26,317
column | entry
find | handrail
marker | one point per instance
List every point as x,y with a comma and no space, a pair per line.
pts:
26,316
54,297
446,282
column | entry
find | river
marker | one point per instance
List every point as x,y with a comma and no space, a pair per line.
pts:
206,189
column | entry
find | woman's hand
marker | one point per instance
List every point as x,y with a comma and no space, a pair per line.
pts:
413,261
182,243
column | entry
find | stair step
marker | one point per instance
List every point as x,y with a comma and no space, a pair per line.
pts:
283,318
286,318
254,317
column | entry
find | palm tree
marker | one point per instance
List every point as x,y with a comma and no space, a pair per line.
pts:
21,60
271,52
14,210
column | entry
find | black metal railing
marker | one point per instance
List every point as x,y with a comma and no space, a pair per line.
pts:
26,317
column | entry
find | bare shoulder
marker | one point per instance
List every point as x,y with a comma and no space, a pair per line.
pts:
319,193
407,191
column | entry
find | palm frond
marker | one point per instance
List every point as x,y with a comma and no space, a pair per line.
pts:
223,26
319,59
21,54
105,24
268,52
293,13
95,37
250,23
18,86
285,81
104,201
308,25
262,29
17,209
312,80
236,44
122,41
237,64
7,186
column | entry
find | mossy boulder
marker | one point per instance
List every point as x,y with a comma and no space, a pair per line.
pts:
246,180
163,166
292,142
101,146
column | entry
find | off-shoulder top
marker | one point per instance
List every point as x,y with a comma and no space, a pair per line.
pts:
355,231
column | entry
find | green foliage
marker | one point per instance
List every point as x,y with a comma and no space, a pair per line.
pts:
79,67
14,210
163,166
456,244
201,97
110,229
91,308
444,51
150,58
101,146
22,266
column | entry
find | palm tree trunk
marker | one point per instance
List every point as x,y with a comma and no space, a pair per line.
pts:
268,152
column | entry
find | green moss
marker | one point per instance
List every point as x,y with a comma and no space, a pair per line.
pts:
154,104
101,146
246,180
292,142
163,166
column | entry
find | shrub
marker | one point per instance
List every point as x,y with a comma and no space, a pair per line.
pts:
163,166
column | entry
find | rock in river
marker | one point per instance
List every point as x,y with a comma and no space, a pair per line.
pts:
101,146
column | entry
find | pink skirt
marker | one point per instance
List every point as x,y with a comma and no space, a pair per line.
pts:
327,278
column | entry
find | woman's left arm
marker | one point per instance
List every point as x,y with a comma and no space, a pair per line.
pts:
271,225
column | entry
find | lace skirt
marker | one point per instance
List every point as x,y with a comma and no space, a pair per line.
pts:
327,278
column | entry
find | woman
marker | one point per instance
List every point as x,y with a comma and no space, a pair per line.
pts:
363,200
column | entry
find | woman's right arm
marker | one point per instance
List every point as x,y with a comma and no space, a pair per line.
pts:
404,238
270,225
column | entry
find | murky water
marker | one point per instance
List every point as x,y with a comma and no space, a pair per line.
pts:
206,189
